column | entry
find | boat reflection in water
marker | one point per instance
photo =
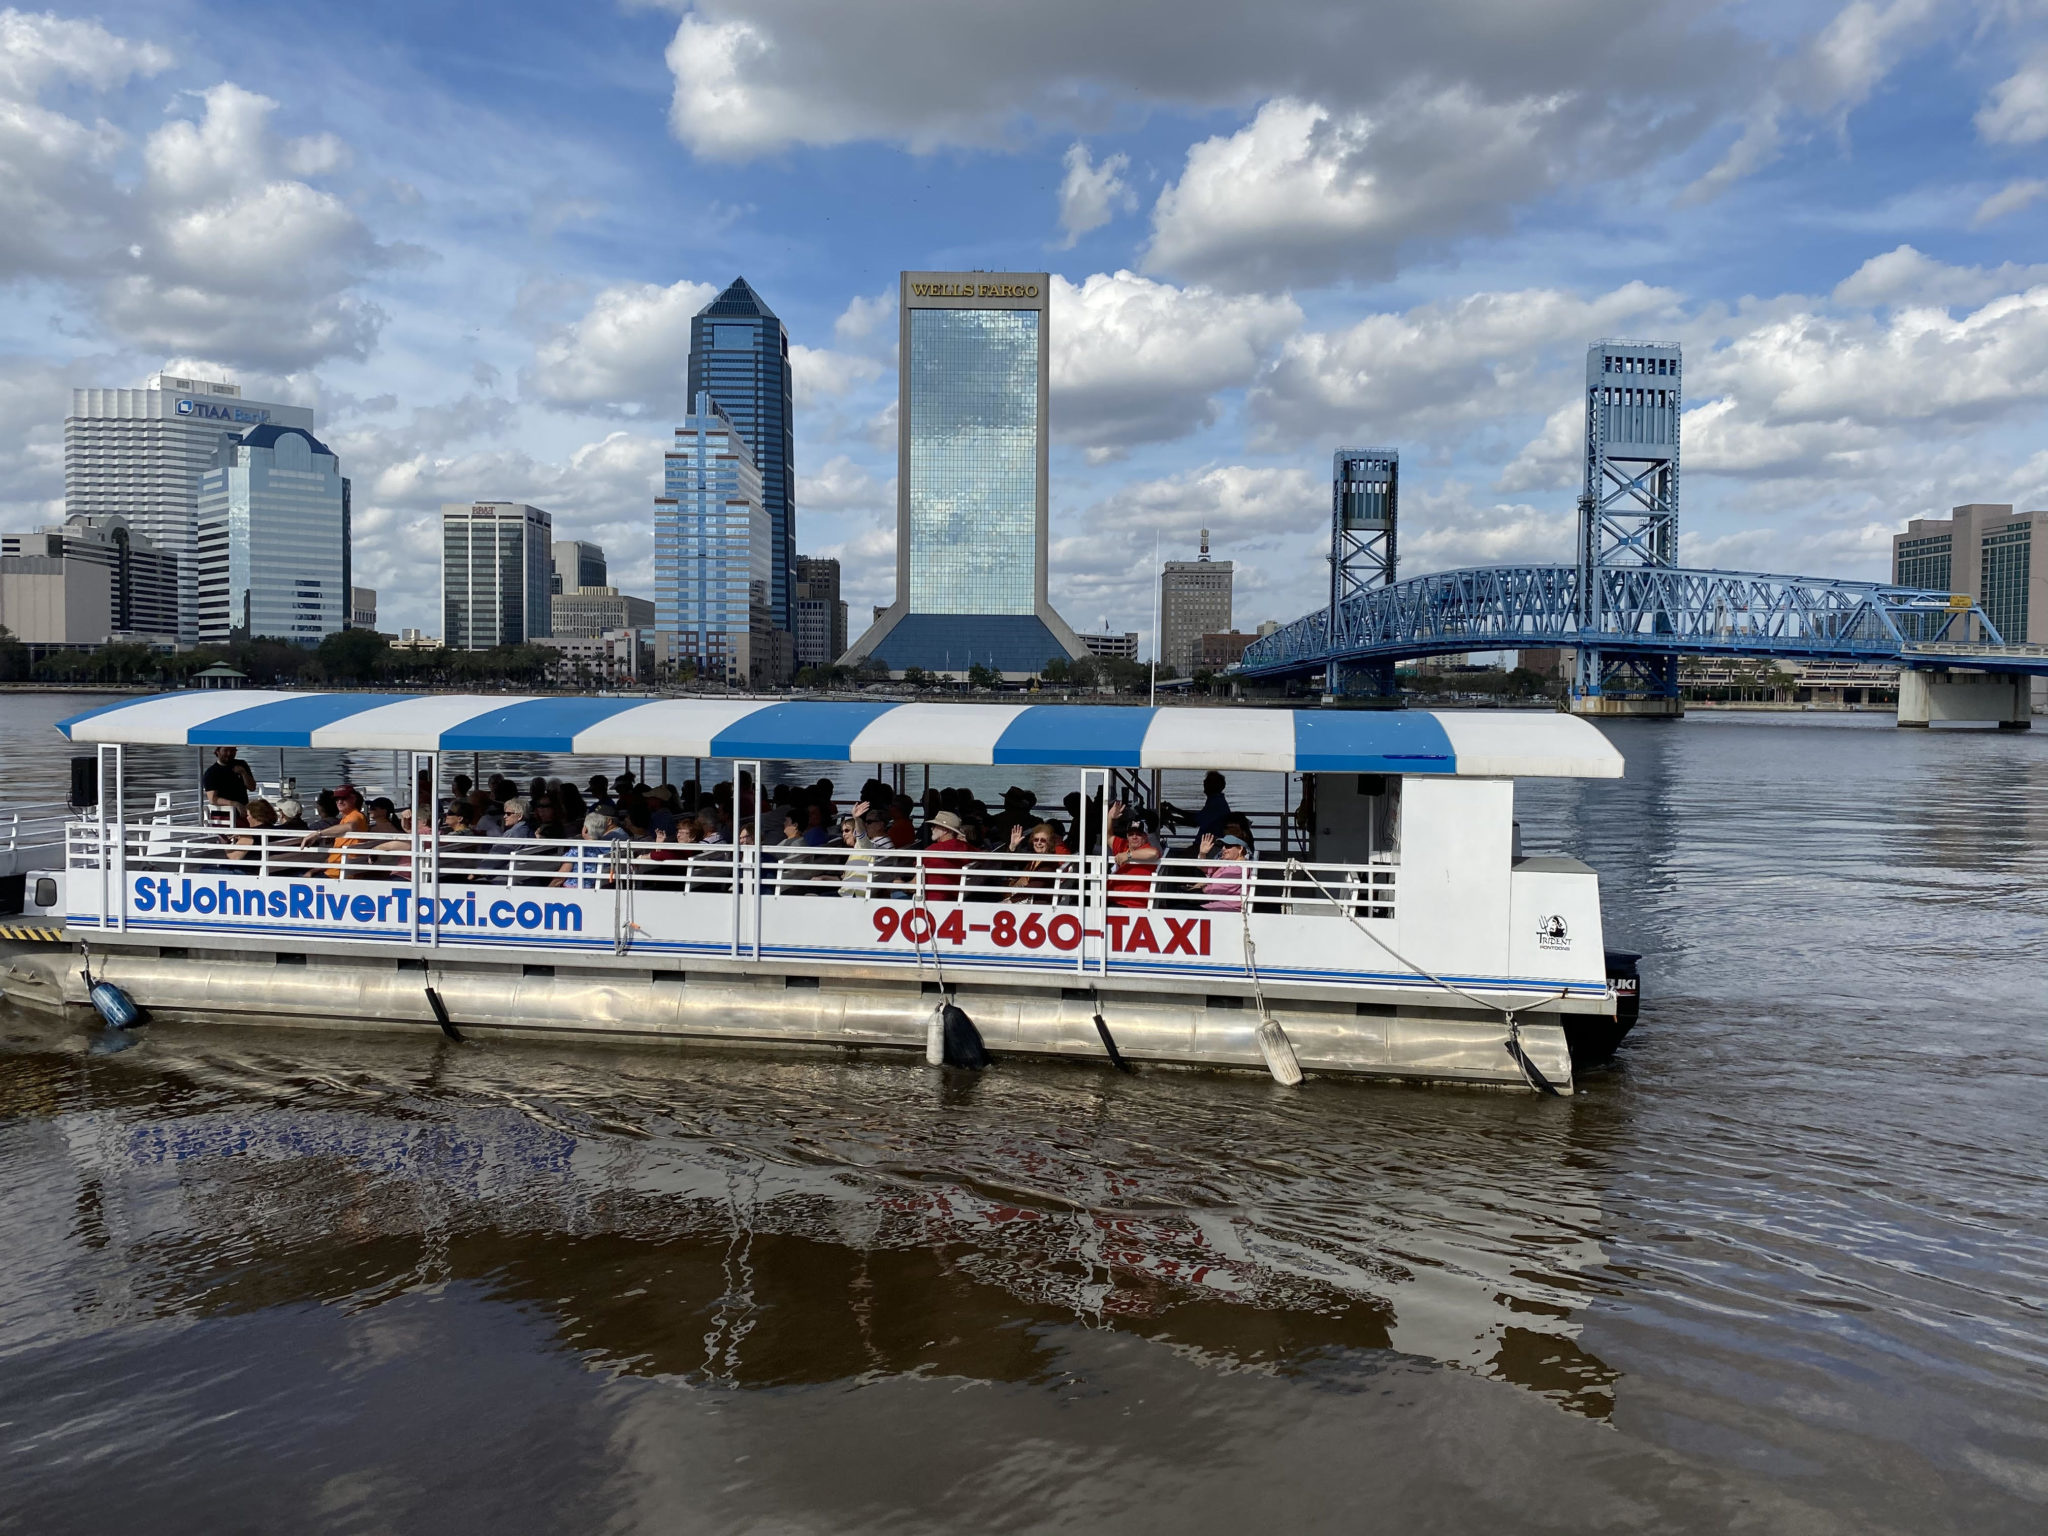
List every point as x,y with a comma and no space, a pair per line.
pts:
733,1220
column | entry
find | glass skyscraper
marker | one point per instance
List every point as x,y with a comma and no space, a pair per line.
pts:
713,541
273,539
971,481
739,355
139,454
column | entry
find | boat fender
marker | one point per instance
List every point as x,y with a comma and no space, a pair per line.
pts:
1278,1051
441,1013
114,1005
935,1037
1116,1057
962,1041
1531,1073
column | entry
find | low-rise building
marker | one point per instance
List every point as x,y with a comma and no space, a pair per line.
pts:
86,581
588,612
615,658
1123,647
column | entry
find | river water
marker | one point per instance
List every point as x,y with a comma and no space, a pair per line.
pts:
1783,1268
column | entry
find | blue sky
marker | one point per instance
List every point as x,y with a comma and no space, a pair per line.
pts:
472,240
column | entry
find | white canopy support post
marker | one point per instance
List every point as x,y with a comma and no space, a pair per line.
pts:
422,762
1091,847
114,845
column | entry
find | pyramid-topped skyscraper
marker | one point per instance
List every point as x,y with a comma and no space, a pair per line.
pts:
739,355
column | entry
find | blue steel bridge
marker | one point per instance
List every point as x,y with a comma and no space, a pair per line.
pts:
1640,611
1625,606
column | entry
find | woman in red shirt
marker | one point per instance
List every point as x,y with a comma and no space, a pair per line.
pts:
1134,859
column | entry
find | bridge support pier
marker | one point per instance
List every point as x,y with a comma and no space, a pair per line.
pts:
1600,705
1640,687
1360,680
1982,697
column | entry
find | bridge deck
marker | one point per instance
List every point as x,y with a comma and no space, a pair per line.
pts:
1652,611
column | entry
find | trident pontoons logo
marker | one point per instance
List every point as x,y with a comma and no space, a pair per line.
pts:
1551,933
346,911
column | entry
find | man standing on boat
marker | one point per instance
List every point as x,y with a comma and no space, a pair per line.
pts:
228,782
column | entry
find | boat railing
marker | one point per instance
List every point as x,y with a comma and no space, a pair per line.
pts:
923,877
29,830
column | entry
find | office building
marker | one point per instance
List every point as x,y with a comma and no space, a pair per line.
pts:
714,545
577,563
739,355
91,565
496,568
273,539
1194,600
820,615
1215,652
362,607
589,612
1123,647
1987,551
139,454
971,450
614,657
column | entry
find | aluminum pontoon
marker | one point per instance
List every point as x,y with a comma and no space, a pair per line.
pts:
1392,932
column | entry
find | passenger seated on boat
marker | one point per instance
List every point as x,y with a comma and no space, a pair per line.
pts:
1134,858
588,864
291,816
517,830
866,872
350,823
238,841
1224,883
485,814
945,857
902,833
1033,882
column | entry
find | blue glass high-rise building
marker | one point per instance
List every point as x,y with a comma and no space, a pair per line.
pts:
739,355
712,547
971,480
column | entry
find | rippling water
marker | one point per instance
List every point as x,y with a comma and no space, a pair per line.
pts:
1784,1267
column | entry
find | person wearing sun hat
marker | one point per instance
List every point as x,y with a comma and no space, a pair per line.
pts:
1224,885
945,856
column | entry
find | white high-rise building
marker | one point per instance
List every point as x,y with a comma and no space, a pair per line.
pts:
139,454
495,573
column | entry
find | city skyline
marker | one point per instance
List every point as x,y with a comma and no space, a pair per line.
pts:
1252,263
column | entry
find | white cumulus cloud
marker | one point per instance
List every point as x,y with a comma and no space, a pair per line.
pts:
627,355
1090,194
1306,195
1439,370
2017,110
1137,361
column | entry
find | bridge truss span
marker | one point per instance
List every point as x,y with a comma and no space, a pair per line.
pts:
1643,610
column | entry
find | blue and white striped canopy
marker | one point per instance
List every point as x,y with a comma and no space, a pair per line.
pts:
1485,744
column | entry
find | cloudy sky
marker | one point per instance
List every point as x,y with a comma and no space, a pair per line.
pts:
472,238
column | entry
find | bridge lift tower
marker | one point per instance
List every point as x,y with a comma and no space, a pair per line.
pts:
1628,516
1365,496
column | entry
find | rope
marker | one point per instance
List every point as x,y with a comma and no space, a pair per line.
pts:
1531,1073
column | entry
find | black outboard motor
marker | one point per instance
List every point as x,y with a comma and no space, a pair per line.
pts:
1593,1040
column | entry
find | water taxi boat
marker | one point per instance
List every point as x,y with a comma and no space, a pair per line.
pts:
1385,926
